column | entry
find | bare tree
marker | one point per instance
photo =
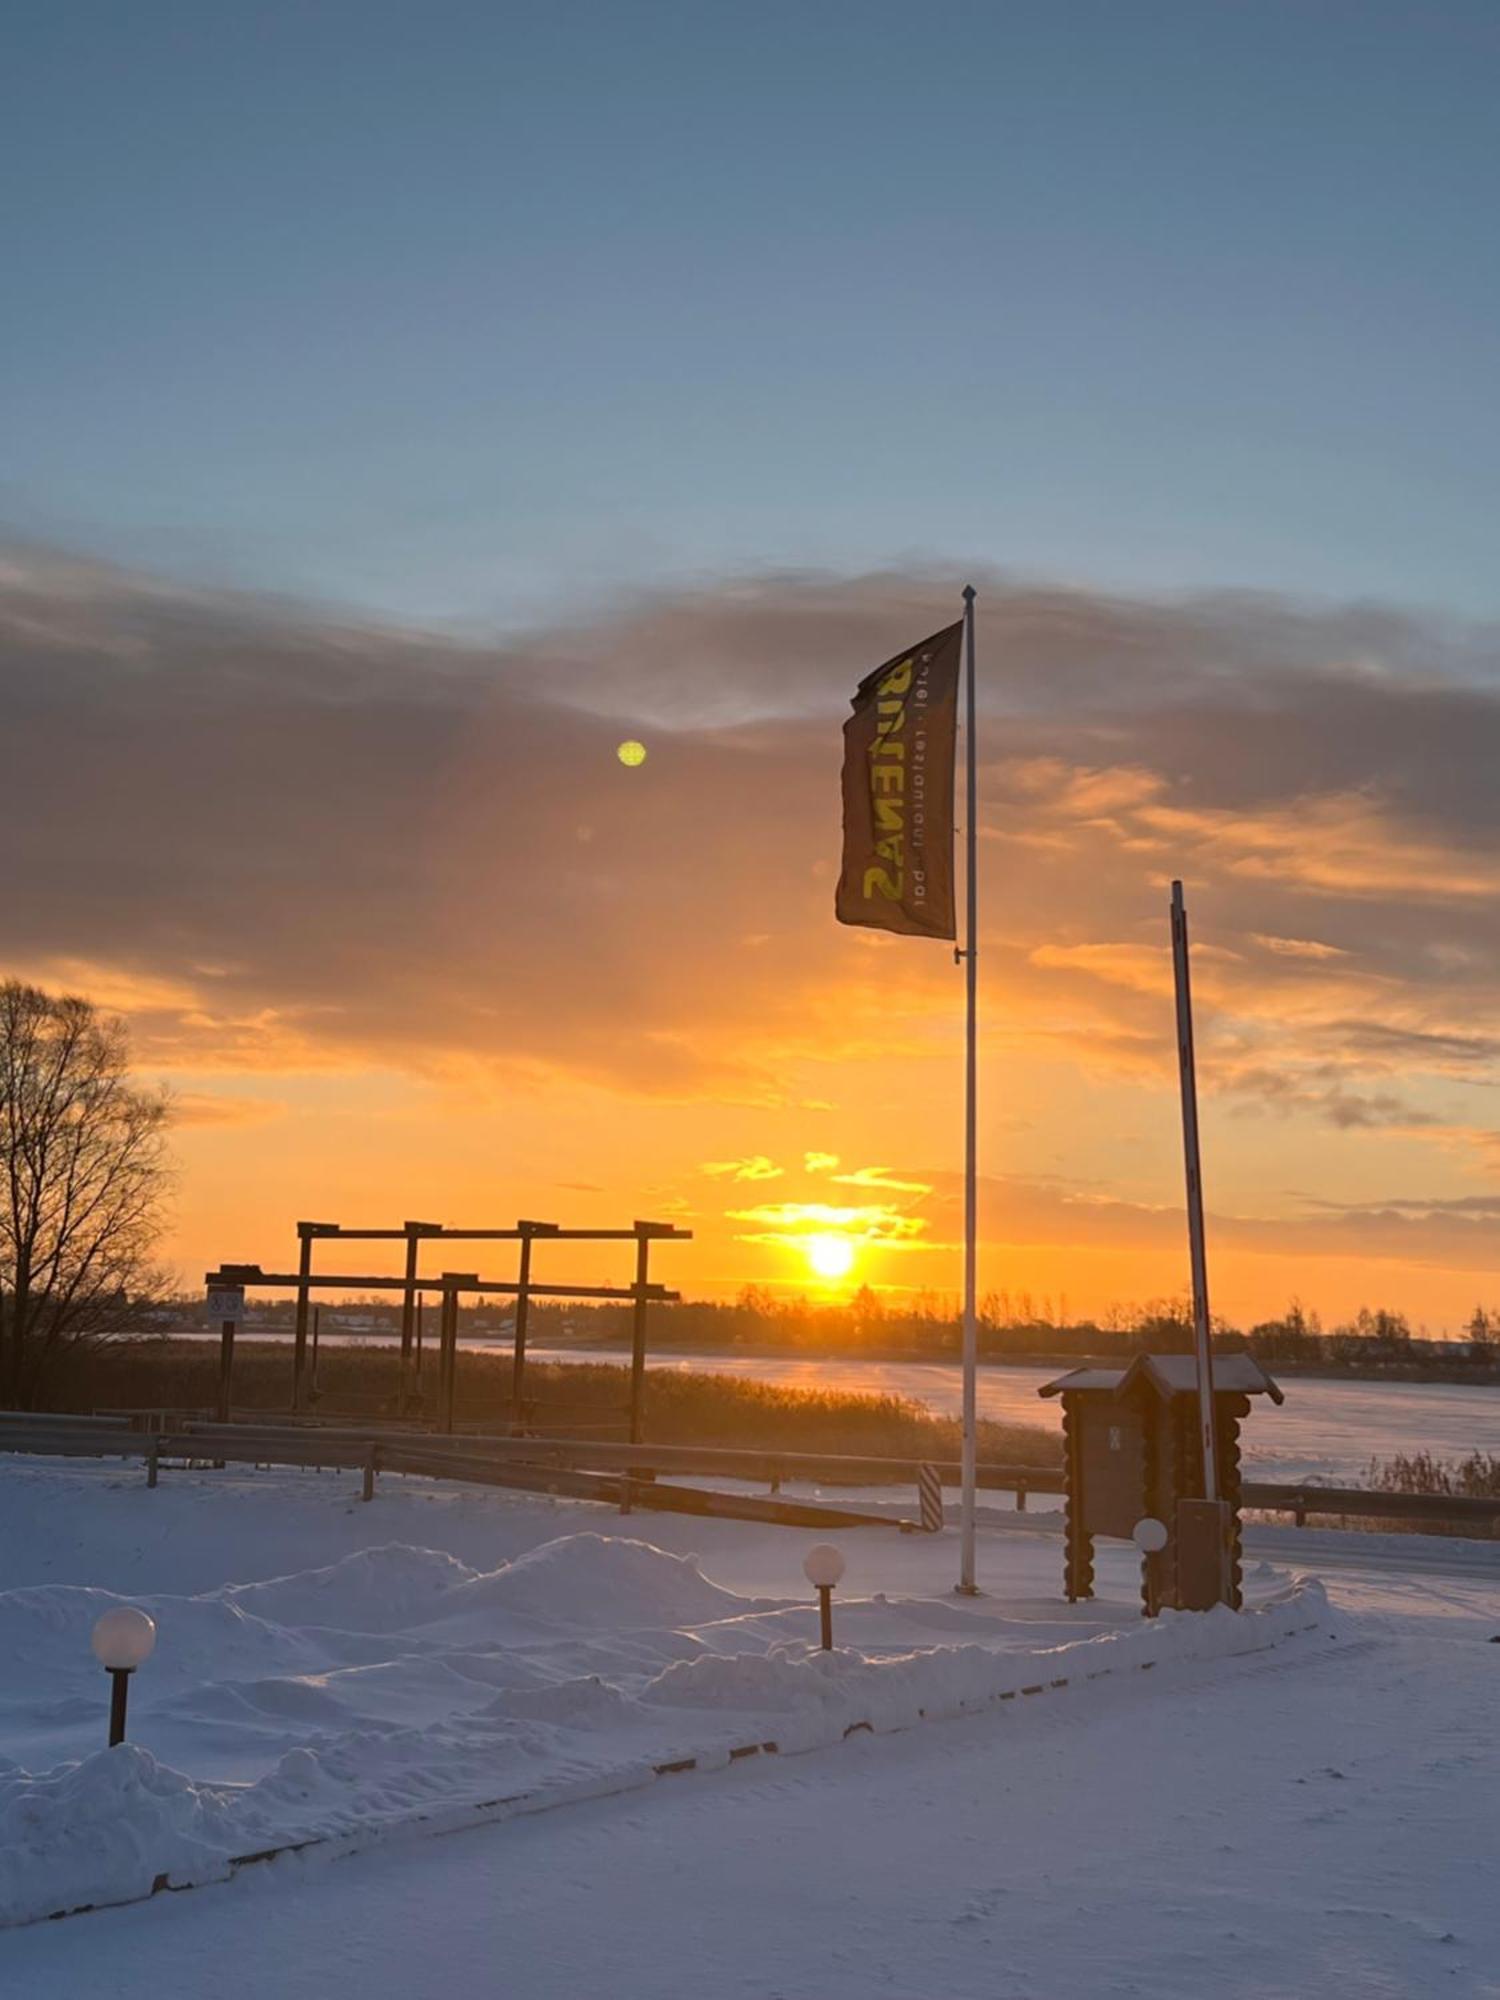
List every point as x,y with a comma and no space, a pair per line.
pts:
83,1174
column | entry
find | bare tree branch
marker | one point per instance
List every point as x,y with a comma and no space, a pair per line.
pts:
83,1177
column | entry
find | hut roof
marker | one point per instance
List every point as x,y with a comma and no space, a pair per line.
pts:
1171,1375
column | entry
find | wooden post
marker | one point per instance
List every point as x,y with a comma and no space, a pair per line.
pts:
371,1449
411,1313
447,1341
638,1335
448,1366
226,1368
153,1453
299,1336
317,1321
408,1301
518,1362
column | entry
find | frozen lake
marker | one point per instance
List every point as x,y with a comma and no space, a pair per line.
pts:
1326,1429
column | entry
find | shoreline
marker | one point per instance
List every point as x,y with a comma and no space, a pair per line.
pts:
1420,1373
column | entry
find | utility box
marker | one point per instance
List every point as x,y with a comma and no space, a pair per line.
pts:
1132,1452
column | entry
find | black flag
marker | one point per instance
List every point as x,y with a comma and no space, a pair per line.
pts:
899,747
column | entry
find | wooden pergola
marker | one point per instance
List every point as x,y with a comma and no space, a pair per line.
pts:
451,1287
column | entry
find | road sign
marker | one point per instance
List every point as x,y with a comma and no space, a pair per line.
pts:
226,1302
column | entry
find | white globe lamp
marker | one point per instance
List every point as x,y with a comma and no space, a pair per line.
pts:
123,1639
823,1565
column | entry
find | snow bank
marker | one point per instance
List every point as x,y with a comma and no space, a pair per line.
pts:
106,1831
599,1581
399,1687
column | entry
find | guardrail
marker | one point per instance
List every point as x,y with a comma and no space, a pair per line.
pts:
591,1468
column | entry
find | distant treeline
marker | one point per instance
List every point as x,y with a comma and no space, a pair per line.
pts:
1377,1341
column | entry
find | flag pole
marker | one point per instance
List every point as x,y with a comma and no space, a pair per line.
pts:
967,1585
1187,1075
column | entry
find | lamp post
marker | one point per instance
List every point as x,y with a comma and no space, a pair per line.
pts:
123,1640
823,1565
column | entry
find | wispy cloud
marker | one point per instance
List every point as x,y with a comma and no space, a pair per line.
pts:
202,1107
881,1177
758,1168
788,1224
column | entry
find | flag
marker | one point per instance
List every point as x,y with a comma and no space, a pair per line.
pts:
899,746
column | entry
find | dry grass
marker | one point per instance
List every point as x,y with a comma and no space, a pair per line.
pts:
681,1407
1476,1477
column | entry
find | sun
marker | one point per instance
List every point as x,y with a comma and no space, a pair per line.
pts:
830,1256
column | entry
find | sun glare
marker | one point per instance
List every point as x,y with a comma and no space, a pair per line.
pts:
830,1256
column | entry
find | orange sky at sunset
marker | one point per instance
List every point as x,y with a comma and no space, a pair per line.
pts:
407,938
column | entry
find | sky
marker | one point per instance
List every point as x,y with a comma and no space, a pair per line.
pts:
402,406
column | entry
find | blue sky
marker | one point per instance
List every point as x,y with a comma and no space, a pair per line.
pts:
477,312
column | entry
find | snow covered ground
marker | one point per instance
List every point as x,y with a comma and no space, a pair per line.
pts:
1290,1802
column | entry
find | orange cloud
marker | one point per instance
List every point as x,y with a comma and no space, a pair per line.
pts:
757,1169
351,860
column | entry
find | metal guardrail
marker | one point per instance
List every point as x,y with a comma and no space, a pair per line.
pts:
1301,1501
616,1472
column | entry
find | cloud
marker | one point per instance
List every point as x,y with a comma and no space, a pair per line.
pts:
788,1224
819,1163
285,841
1300,948
202,1107
757,1169
880,1177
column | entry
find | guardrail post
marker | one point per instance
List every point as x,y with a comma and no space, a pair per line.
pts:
371,1460
1299,1511
1020,1496
152,1454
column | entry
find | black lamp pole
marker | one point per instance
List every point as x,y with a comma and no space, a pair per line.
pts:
118,1696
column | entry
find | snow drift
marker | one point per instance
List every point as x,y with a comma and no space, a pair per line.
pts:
398,1687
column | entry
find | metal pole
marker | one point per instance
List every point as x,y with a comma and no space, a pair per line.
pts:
1202,1337
299,1339
119,1694
518,1361
966,1582
638,1339
825,1615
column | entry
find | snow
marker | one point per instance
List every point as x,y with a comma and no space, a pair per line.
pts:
963,1797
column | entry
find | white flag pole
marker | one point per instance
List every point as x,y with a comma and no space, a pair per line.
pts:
967,1585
